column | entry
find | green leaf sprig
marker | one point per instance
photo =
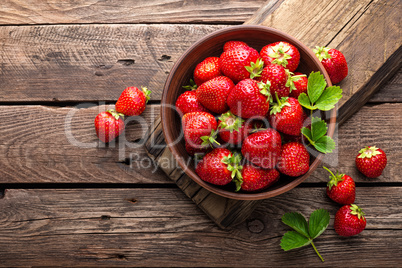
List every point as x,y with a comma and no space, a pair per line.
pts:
304,232
322,98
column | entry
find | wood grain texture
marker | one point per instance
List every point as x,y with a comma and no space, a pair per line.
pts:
391,92
150,11
130,227
90,62
72,63
48,144
373,26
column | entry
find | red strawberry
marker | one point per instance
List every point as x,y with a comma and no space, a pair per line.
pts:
132,101
294,160
349,220
341,188
262,148
233,129
188,102
371,161
249,99
213,94
199,129
334,63
256,178
109,125
206,70
276,77
281,53
233,63
298,84
287,116
234,44
219,166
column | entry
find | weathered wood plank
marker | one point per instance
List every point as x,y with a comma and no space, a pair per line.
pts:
66,63
391,92
40,145
104,227
90,62
344,25
149,11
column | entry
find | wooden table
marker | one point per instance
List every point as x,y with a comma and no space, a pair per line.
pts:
68,200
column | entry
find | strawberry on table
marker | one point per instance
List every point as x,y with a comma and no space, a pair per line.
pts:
298,84
213,94
256,178
234,44
249,99
349,220
262,148
281,53
132,101
287,116
233,63
199,129
294,159
334,63
188,102
109,125
341,188
233,129
220,167
371,161
276,77
206,70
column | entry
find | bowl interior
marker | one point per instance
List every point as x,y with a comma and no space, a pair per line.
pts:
182,72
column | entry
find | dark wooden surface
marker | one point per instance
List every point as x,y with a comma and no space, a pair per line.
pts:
67,200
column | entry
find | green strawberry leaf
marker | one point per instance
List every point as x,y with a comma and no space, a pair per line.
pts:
292,240
318,128
307,133
315,86
329,98
324,144
297,222
304,233
318,222
304,101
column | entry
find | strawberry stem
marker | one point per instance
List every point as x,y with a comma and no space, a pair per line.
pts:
329,171
316,251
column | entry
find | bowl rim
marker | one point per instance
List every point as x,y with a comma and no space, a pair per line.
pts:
192,174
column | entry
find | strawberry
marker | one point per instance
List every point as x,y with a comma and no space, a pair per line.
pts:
298,84
206,70
349,220
213,94
262,148
276,77
341,188
234,44
219,167
371,161
199,129
256,178
282,53
188,102
249,99
294,160
233,129
334,63
287,116
109,125
240,63
132,101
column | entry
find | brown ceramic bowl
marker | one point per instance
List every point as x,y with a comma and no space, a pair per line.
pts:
182,71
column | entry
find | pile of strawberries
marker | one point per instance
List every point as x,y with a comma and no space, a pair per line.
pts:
254,95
